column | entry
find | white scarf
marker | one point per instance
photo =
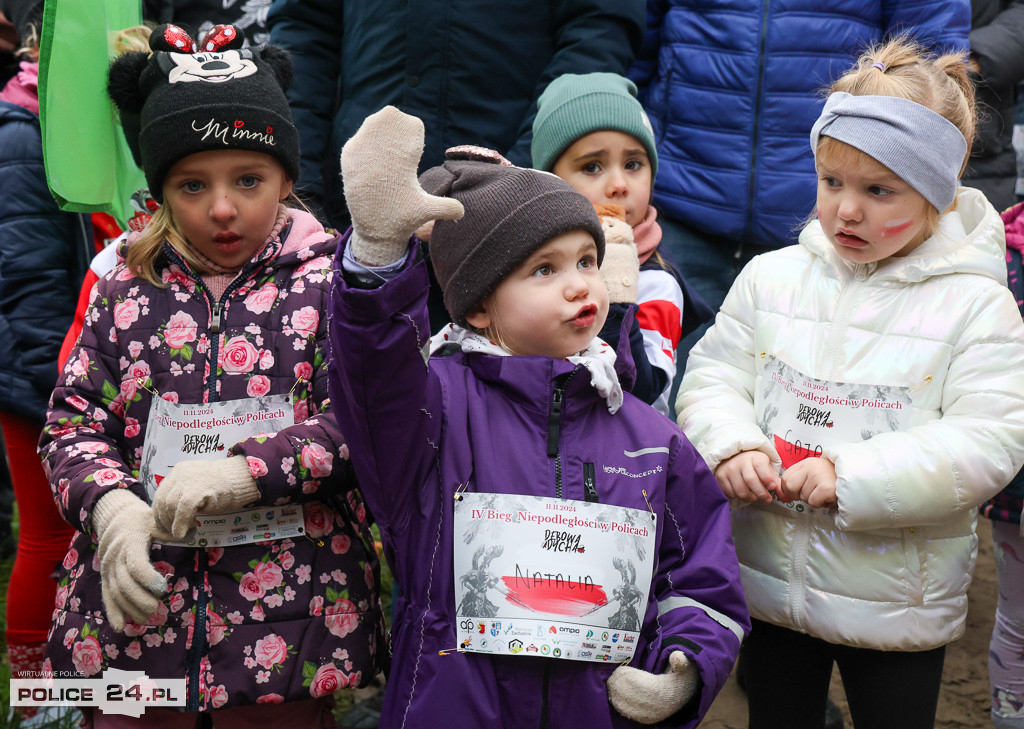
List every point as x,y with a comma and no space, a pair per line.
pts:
598,357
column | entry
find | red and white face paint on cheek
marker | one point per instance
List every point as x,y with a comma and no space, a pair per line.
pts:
895,227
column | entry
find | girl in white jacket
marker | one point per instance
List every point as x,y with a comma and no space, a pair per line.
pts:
858,396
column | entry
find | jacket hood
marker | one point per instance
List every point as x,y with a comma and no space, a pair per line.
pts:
968,240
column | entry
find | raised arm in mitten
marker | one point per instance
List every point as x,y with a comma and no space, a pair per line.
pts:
649,698
130,584
202,487
387,204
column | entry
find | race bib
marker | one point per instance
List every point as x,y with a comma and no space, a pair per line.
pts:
551,577
205,432
803,415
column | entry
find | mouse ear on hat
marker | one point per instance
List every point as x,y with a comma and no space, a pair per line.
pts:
171,39
123,81
220,38
280,62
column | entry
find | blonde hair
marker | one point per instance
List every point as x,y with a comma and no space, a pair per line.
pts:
133,39
939,83
902,68
141,255
30,44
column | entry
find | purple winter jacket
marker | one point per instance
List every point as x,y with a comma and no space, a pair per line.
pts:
260,623
417,432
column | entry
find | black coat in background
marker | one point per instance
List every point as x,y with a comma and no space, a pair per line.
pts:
472,71
44,255
997,44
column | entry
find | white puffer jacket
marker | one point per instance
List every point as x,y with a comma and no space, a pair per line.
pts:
889,568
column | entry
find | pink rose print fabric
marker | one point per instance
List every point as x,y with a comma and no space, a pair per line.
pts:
270,622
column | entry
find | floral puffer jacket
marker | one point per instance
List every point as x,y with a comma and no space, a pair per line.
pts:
267,622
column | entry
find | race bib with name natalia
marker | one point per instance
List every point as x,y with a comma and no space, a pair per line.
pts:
177,432
803,415
551,577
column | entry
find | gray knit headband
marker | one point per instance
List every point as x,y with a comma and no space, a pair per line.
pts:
925,149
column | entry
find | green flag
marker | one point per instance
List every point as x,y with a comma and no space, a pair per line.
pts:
89,167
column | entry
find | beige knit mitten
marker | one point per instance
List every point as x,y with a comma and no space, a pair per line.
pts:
620,268
649,698
129,583
384,197
202,487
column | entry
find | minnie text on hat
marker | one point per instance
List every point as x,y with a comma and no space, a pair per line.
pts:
238,131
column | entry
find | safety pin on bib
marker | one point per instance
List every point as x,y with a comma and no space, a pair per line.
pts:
653,516
143,383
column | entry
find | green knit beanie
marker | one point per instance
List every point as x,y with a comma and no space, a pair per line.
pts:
575,105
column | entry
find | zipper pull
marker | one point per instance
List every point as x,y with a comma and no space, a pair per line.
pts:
555,421
215,323
589,483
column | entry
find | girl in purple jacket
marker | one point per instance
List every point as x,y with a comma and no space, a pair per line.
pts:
562,556
222,541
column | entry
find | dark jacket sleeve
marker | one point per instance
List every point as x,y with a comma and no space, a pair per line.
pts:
386,400
645,68
650,381
999,47
312,30
590,35
701,607
40,260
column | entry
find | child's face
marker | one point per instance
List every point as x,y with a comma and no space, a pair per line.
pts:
225,202
609,167
553,304
868,212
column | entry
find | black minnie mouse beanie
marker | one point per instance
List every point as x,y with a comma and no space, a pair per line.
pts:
188,97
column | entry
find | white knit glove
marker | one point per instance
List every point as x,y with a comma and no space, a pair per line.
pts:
129,583
387,204
620,268
649,698
202,487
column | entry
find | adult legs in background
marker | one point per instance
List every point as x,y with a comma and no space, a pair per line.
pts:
1006,649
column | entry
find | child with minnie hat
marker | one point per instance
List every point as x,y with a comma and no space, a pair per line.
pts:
215,308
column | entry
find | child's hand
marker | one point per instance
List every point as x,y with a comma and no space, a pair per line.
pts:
202,487
129,584
748,476
649,698
384,197
812,480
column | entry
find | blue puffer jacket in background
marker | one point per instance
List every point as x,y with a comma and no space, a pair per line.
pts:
44,254
472,71
733,87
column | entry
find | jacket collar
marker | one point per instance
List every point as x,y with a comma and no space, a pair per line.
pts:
530,380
